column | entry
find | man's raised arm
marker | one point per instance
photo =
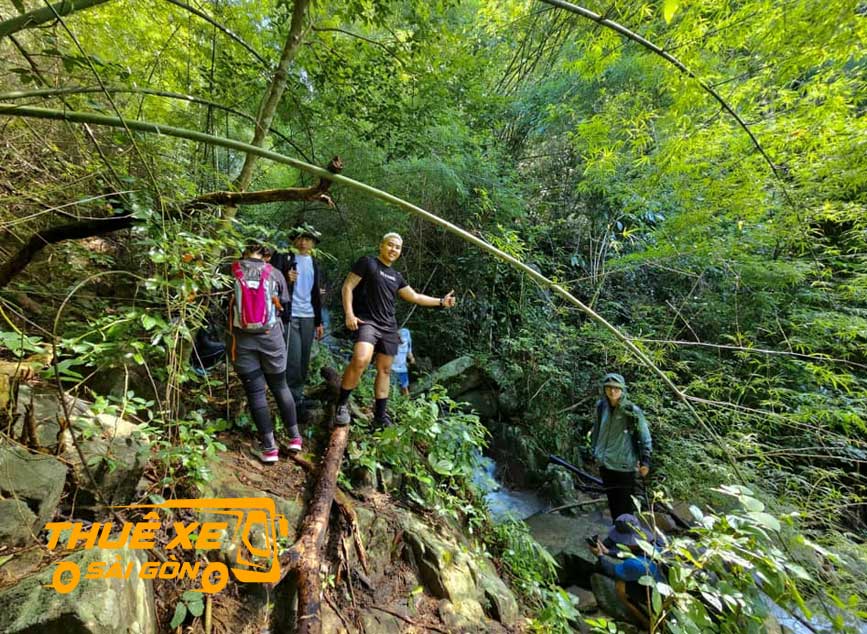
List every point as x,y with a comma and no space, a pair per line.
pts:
407,294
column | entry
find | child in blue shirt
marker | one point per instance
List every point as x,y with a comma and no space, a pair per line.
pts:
404,355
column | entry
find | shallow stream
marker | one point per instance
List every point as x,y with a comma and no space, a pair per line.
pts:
504,503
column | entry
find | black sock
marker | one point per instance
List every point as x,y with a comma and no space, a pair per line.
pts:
344,396
379,408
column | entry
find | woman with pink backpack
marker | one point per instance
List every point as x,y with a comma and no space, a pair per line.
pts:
257,346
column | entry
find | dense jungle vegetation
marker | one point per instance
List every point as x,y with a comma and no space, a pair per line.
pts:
725,237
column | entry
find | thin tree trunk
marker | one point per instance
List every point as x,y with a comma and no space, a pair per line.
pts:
272,98
109,224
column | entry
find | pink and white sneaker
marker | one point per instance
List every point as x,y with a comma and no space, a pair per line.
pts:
268,456
295,445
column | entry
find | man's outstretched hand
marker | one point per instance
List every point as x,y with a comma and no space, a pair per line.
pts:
449,300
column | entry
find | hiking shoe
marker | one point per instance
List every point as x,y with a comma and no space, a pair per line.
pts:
268,456
342,417
295,445
383,421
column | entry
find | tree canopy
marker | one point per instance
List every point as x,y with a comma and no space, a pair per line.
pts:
695,173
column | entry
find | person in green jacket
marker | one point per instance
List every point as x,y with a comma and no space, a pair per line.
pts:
621,444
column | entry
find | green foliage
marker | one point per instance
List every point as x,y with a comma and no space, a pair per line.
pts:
20,344
722,577
192,603
435,447
533,573
185,448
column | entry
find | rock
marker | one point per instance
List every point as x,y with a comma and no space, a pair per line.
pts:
378,540
448,375
31,485
330,621
498,601
586,599
116,452
117,381
563,537
559,487
484,402
389,480
442,569
606,596
450,570
95,606
364,478
23,563
463,616
225,484
378,622
46,412
115,449
17,522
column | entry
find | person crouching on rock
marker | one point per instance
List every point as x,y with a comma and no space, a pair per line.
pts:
631,595
621,444
369,294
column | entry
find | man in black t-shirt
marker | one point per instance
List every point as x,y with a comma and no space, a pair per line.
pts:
369,292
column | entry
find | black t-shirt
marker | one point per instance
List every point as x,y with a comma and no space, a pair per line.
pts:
373,298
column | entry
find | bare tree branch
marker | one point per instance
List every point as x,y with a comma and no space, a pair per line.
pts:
53,235
315,193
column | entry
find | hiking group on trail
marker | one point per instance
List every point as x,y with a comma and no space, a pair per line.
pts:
277,311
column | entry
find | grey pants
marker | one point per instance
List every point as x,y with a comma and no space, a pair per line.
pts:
299,340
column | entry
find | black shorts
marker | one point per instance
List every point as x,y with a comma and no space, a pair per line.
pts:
385,341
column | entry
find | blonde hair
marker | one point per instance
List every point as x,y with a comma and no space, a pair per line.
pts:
391,234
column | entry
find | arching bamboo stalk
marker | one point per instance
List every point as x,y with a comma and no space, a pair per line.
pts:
82,90
44,14
8,110
223,29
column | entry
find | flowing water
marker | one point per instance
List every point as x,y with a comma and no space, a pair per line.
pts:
504,503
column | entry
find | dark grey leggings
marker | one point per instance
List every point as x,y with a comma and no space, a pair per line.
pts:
254,385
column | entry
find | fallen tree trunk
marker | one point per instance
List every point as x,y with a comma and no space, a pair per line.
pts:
303,559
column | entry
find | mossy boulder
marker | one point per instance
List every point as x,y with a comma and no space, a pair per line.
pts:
564,537
450,569
94,606
30,488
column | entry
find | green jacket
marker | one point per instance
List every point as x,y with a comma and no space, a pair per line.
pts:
620,437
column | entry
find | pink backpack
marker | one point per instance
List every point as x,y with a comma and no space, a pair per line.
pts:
254,309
